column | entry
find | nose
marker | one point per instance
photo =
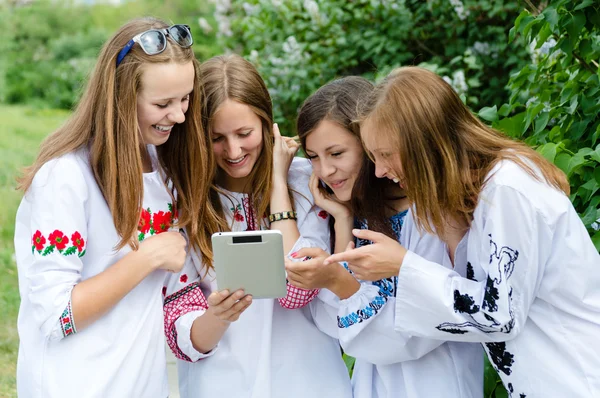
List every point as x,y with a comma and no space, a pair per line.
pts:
380,169
177,115
327,168
232,149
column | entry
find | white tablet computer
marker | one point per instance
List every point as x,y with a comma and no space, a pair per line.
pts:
250,260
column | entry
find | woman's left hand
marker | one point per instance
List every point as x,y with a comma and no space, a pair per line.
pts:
379,260
284,149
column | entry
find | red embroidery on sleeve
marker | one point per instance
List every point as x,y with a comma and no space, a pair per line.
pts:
186,300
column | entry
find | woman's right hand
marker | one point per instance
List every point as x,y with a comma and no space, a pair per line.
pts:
326,201
228,307
166,251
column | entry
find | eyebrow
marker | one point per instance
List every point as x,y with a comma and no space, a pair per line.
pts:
239,129
173,98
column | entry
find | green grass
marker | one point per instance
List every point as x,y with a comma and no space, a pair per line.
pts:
21,131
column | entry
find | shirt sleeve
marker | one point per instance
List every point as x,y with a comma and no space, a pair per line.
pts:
184,302
313,225
57,220
437,302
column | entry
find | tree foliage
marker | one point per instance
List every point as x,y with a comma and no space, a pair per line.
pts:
555,98
48,47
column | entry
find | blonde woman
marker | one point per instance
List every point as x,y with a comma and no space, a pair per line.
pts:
94,232
530,290
227,343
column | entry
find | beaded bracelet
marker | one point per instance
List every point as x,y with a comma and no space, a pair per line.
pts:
283,215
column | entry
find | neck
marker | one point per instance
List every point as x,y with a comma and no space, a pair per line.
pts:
241,185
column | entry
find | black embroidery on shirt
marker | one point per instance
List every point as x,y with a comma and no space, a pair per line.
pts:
490,296
470,272
511,390
500,357
464,303
502,264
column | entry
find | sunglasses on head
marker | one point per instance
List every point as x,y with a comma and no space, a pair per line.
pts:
154,41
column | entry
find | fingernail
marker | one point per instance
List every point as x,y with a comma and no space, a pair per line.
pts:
293,254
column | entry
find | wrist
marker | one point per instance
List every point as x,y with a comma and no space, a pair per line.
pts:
343,284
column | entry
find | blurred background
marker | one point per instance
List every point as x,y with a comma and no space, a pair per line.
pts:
527,67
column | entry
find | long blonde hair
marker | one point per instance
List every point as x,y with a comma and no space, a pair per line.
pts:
231,77
444,150
105,122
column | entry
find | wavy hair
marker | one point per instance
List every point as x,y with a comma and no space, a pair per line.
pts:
105,122
337,102
444,150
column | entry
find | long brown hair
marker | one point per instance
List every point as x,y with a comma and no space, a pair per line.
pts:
105,122
231,77
444,150
337,102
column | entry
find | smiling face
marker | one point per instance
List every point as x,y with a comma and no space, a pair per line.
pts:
387,161
336,155
163,99
237,137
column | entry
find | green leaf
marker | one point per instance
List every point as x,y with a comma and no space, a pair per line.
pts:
541,122
596,240
551,16
512,126
590,215
489,113
81,254
596,154
584,4
574,25
545,32
548,151
562,161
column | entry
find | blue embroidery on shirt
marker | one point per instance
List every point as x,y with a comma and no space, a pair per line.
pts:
387,287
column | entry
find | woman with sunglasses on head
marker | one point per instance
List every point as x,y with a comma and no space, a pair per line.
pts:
530,294
231,345
94,234
388,363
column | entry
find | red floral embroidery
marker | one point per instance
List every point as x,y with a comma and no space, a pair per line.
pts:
58,239
161,221
38,241
183,278
77,241
164,290
323,214
144,224
237,213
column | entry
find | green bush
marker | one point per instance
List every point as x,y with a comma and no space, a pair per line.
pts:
50,47
300,45
555,99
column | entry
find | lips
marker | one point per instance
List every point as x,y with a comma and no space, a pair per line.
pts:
336,184
163,129
239,162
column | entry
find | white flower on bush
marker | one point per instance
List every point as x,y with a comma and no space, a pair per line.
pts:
250,9
458,82
544,50
460,10
204,25
312,8
277,3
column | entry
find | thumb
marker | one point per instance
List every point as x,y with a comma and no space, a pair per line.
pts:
350,246
276,132
366,234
